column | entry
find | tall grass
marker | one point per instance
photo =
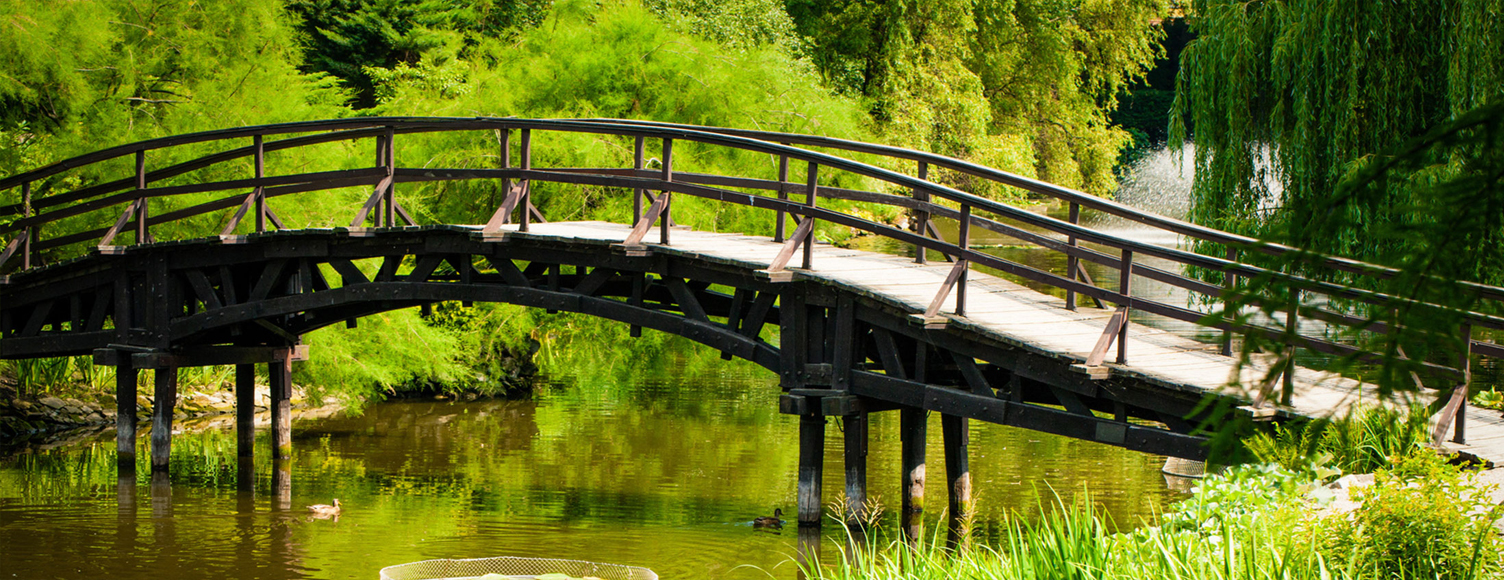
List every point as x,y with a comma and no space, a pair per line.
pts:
1256,538
1363,442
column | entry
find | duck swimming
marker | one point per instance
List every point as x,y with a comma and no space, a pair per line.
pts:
323,510
773,521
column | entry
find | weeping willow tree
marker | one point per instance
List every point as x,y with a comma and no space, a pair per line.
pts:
1371,130
1284,99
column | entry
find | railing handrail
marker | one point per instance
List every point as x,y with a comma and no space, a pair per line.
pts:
1108,206
780,144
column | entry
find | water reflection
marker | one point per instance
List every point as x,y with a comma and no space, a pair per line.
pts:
666,473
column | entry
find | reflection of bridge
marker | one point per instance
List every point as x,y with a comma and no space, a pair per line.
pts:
857,332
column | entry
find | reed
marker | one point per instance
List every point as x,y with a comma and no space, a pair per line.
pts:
1251,525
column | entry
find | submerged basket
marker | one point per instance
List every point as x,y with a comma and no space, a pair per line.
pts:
512,568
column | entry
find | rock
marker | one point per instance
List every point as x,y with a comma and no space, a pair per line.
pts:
106,400
1351,481
52,402
21,405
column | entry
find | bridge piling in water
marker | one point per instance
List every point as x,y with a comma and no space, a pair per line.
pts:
913,427
811,468
957,434
164,403
245,426
279,374
855,430
125,420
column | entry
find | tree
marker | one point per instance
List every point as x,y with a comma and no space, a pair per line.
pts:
1024,85
1369,130
346,38
1284,99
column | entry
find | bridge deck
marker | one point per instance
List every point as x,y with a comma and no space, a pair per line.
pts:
1022,316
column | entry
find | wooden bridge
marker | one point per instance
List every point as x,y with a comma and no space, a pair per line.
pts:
91,272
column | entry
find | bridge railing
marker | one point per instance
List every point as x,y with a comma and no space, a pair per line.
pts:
129,201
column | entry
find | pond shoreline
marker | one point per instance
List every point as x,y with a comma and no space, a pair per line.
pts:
33,423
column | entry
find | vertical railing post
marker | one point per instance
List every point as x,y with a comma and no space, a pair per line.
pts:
142,213
1125,287
1229,282
26,213
506,163
811,194
1072,263
965,263
637,192
1292,332
922,220
389,197
527,186
1464,363
260,146
668,198
381,144
783,195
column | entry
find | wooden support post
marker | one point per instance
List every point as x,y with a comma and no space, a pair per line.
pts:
389,197
281,484
855,429
279,375
913,428
527,185
1464,364
506,184
958,478
260,192
161,507
961,261
811,195
922,218
163,405
125,419
27,235
1125,273
143,235
1229,282
1292,326
637,161
245,411
811,467
783,195
666,196
1072,263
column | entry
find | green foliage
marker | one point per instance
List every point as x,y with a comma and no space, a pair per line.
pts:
388,350
1421,519
1490,399
1023,85
1287,99
736,24
1238,495
350,38
616,60
1364,442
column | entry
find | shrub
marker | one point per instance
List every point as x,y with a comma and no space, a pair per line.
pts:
1421,519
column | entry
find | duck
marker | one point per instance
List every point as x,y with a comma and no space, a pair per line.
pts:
773,521
325,510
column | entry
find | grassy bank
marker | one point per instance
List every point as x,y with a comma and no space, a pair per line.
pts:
1422,518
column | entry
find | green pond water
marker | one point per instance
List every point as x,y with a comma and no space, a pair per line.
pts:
664,471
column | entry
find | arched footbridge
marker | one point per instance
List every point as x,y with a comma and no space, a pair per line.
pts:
940,326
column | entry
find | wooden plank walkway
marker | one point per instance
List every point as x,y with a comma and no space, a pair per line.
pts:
1030,319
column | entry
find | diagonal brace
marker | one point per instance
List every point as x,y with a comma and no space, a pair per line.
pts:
1109,335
